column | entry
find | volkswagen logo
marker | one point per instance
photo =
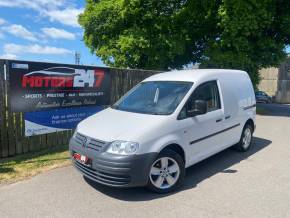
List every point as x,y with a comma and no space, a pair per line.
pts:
85,142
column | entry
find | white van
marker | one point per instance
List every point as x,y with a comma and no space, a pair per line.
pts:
166,123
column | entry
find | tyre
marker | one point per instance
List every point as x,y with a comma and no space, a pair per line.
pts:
166,172
246,139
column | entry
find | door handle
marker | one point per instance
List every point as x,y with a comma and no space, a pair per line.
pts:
219,120
228,117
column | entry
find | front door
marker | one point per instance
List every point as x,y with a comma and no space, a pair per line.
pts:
201,133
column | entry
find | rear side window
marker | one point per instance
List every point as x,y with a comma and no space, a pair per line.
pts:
208,92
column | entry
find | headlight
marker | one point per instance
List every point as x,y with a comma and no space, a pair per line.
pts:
123,147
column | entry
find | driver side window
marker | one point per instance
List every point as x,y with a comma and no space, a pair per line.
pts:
207,92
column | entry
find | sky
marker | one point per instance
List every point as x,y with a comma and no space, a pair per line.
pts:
43,30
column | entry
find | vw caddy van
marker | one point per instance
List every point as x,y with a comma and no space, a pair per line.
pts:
166,123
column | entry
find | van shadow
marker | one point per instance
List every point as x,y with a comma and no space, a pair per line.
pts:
219,163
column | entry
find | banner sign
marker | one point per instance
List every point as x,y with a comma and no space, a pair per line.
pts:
42,122
38,86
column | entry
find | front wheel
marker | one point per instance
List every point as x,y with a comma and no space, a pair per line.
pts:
166,173
246,139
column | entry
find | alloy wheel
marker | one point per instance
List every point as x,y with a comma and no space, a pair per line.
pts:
164,173
247,138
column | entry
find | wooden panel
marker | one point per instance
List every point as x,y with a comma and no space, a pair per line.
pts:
1,106
18,133
4,114
24,140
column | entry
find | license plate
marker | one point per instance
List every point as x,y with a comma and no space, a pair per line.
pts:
82,159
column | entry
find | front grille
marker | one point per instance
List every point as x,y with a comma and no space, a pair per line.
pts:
96,144
79,138
88,142
101,176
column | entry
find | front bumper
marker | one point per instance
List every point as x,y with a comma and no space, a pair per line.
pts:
114,170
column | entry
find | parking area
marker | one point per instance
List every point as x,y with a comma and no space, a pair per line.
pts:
229,184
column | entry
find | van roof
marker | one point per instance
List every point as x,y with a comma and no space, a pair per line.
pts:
193,75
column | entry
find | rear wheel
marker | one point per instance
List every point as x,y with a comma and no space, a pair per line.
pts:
246,139
166,173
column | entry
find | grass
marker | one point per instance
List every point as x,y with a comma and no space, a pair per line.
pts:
27,165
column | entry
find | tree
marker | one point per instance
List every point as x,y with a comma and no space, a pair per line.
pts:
169,34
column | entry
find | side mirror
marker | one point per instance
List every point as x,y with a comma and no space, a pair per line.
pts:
199,107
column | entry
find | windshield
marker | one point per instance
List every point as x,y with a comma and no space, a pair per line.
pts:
154,97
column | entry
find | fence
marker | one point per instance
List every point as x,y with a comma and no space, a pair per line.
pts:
12,138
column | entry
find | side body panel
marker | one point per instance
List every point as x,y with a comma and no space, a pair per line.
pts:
199,135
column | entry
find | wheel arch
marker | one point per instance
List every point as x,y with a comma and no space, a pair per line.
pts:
250,122
177,148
